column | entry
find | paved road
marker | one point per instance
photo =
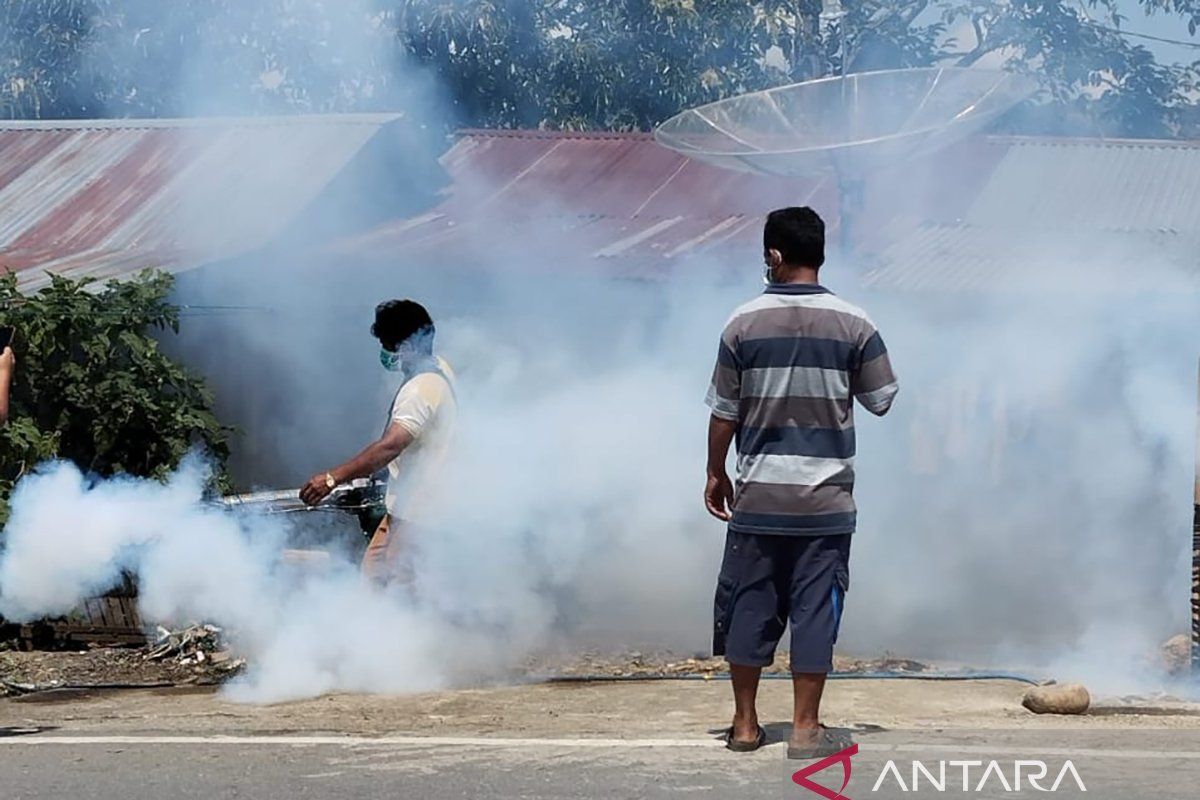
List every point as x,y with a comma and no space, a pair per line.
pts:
53,765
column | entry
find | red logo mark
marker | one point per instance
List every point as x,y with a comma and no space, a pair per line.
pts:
800,777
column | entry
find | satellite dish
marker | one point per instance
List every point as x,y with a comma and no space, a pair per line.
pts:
845,125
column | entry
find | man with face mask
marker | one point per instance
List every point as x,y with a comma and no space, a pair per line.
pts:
414,441
790,366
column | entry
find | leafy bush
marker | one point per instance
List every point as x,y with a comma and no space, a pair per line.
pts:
92,386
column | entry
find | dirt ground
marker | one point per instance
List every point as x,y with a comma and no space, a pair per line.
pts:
627,709
22,672
195,655
633,695
77,690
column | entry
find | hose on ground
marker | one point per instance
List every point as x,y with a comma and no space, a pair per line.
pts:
18,689
873,676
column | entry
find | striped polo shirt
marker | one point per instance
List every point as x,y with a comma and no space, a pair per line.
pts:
790,364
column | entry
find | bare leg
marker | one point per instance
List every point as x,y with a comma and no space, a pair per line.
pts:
389,556
745,691
375,566
807,688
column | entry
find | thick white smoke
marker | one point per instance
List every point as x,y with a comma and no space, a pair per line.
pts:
1026,504
305,631
558,529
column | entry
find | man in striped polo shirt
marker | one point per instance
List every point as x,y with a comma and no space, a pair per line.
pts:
790,365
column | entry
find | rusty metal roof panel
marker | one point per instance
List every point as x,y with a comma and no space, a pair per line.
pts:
613,174
108,197
613,196
965,220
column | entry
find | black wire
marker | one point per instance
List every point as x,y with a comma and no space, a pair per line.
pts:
834,676
1133,34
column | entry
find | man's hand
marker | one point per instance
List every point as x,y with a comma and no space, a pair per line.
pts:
315,490
373,458
8,361
718,492
718,495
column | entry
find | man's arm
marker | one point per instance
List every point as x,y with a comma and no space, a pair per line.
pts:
371,459
873,383
718,489
724,398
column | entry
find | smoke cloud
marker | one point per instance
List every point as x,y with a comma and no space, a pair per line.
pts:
1025,505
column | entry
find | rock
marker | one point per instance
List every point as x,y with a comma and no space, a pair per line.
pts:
1068,698
1177,655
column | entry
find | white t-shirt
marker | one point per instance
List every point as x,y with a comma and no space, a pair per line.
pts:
425,406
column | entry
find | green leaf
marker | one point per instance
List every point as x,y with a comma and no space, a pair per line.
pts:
94,387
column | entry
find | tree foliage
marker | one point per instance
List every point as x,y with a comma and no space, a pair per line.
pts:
565,63
92,385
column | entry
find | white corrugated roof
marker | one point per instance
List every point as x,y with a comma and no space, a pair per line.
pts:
1112,185
1060,213
970,258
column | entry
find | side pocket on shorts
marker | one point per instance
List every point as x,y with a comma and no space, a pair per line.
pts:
841,583
729,580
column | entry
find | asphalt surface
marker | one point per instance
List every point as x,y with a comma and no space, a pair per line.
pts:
52,765
602,741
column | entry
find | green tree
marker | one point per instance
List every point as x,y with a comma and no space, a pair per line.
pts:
621,64
1095,80
489,55
630,64
92,385
42,43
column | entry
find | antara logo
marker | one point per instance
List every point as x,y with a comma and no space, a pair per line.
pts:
946,776
991,774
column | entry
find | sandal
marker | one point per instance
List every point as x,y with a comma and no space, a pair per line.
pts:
829,741
738,746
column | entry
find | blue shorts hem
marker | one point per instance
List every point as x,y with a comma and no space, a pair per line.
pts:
745,662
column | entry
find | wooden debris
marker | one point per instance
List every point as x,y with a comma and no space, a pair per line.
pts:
197,644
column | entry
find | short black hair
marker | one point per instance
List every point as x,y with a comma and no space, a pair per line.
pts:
798,233
397,321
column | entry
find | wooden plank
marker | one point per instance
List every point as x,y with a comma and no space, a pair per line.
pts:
135,619
116,611
92,616
108,637
110,619
127,612
100,615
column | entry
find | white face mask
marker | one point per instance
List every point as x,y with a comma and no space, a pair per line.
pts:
767,275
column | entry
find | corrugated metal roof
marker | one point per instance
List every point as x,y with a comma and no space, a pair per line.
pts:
971,258
634,205
106,198
1055,213
964,219
103,198
1110,185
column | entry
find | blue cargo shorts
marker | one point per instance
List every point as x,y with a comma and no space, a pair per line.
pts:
768,581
